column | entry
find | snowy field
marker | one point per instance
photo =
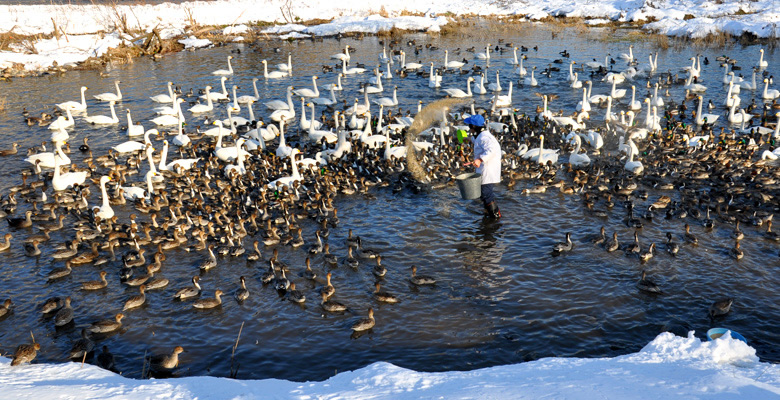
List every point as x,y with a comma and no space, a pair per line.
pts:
81,23
670,367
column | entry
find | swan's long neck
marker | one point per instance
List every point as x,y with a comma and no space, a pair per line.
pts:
584,96
118,92
468,87
633,94
129,119
149,154
446,58
317,91
698,111
235,98
224,89
608,116
590,87
766,86
303,116
521,62
220,132
282,142
289,62
83,98
578,141
164,157
251,111
230,67
265,72
58,148
289,99
296,174
104,194
395,95
113,112
149,185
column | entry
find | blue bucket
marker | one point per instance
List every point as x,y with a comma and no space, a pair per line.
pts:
716,333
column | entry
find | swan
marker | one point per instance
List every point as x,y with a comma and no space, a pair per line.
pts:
576,124
762,64
577,160
504,100
336,86
234,107
103,119
228,71
62,181
63,122
694,87
239,167
750,85
317,135
133,129
731,98
169,120
373,89
520,69
609,116
634,167
584,104
170,110
408,66
280,115
459,93
434,80
226,153
496,86
201,108
572,74
342,56
387,101
306,92
653,62
393,152
617,93
695,141
479,88
576,83
513,60
369,140
613,77
279,104
656,101
485,55
183,163
157,177
729,76
451,64
596,65
164,98
264,134
533,154
286,67
628,57
111,96
742,117
132,193
322,101
105,212
770,94
283,150
132,146
181,139
75,105
711,118
288,180
217,96
634,104
305,122
246,99
350,71
359,108
594,139
627,147
531,80
60,136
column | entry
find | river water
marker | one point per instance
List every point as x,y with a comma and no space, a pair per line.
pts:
500,297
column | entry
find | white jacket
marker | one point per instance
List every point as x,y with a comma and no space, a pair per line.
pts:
487,149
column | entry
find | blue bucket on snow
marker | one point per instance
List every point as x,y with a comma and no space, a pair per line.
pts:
716,333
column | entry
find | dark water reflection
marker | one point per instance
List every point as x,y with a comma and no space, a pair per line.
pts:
500,297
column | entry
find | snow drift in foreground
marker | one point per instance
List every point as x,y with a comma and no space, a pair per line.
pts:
668,367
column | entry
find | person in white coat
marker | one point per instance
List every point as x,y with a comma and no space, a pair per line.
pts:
487,159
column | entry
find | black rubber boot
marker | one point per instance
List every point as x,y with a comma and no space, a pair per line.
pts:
492,210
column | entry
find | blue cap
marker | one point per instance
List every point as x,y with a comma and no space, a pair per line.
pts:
476,120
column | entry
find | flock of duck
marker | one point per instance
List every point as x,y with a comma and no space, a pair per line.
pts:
216,198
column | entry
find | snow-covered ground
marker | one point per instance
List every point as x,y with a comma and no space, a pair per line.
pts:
84,23
669,367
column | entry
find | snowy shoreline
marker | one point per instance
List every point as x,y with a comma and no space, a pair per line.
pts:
89,30
668,367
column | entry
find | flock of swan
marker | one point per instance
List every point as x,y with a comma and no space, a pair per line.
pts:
243,181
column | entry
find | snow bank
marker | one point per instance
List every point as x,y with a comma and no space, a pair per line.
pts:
668,367
692,18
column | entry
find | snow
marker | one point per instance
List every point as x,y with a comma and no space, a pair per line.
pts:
757,17
668,367
193,42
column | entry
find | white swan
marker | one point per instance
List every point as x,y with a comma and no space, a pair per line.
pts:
156,177
288,180
393,152
479,88
359,108
434,80
317,135
60,136
47,159
742,117
711,118
75,105
111,96
459,93
576,83
531,80
217,96
609,116
451,64
105,211
694,87
133,129
63,122
170,110
576,124
485,55
306,92
378,88
239,167
504,100
656,101
326,101
388,101
279,104
572,74
342,56
617,93
62,181
762,64
350,71
628,57
584,104
653,62
132,146
283,150
496,86
513,60
283,115
103,119
750,85
769,94
201,108
228,71
634,104
305,122
408,66
651,122
533,154
577,160
370,140
132,193
335,86
169,120
286,67
164,98
520,69
634,167
181,139
246,99
594,139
